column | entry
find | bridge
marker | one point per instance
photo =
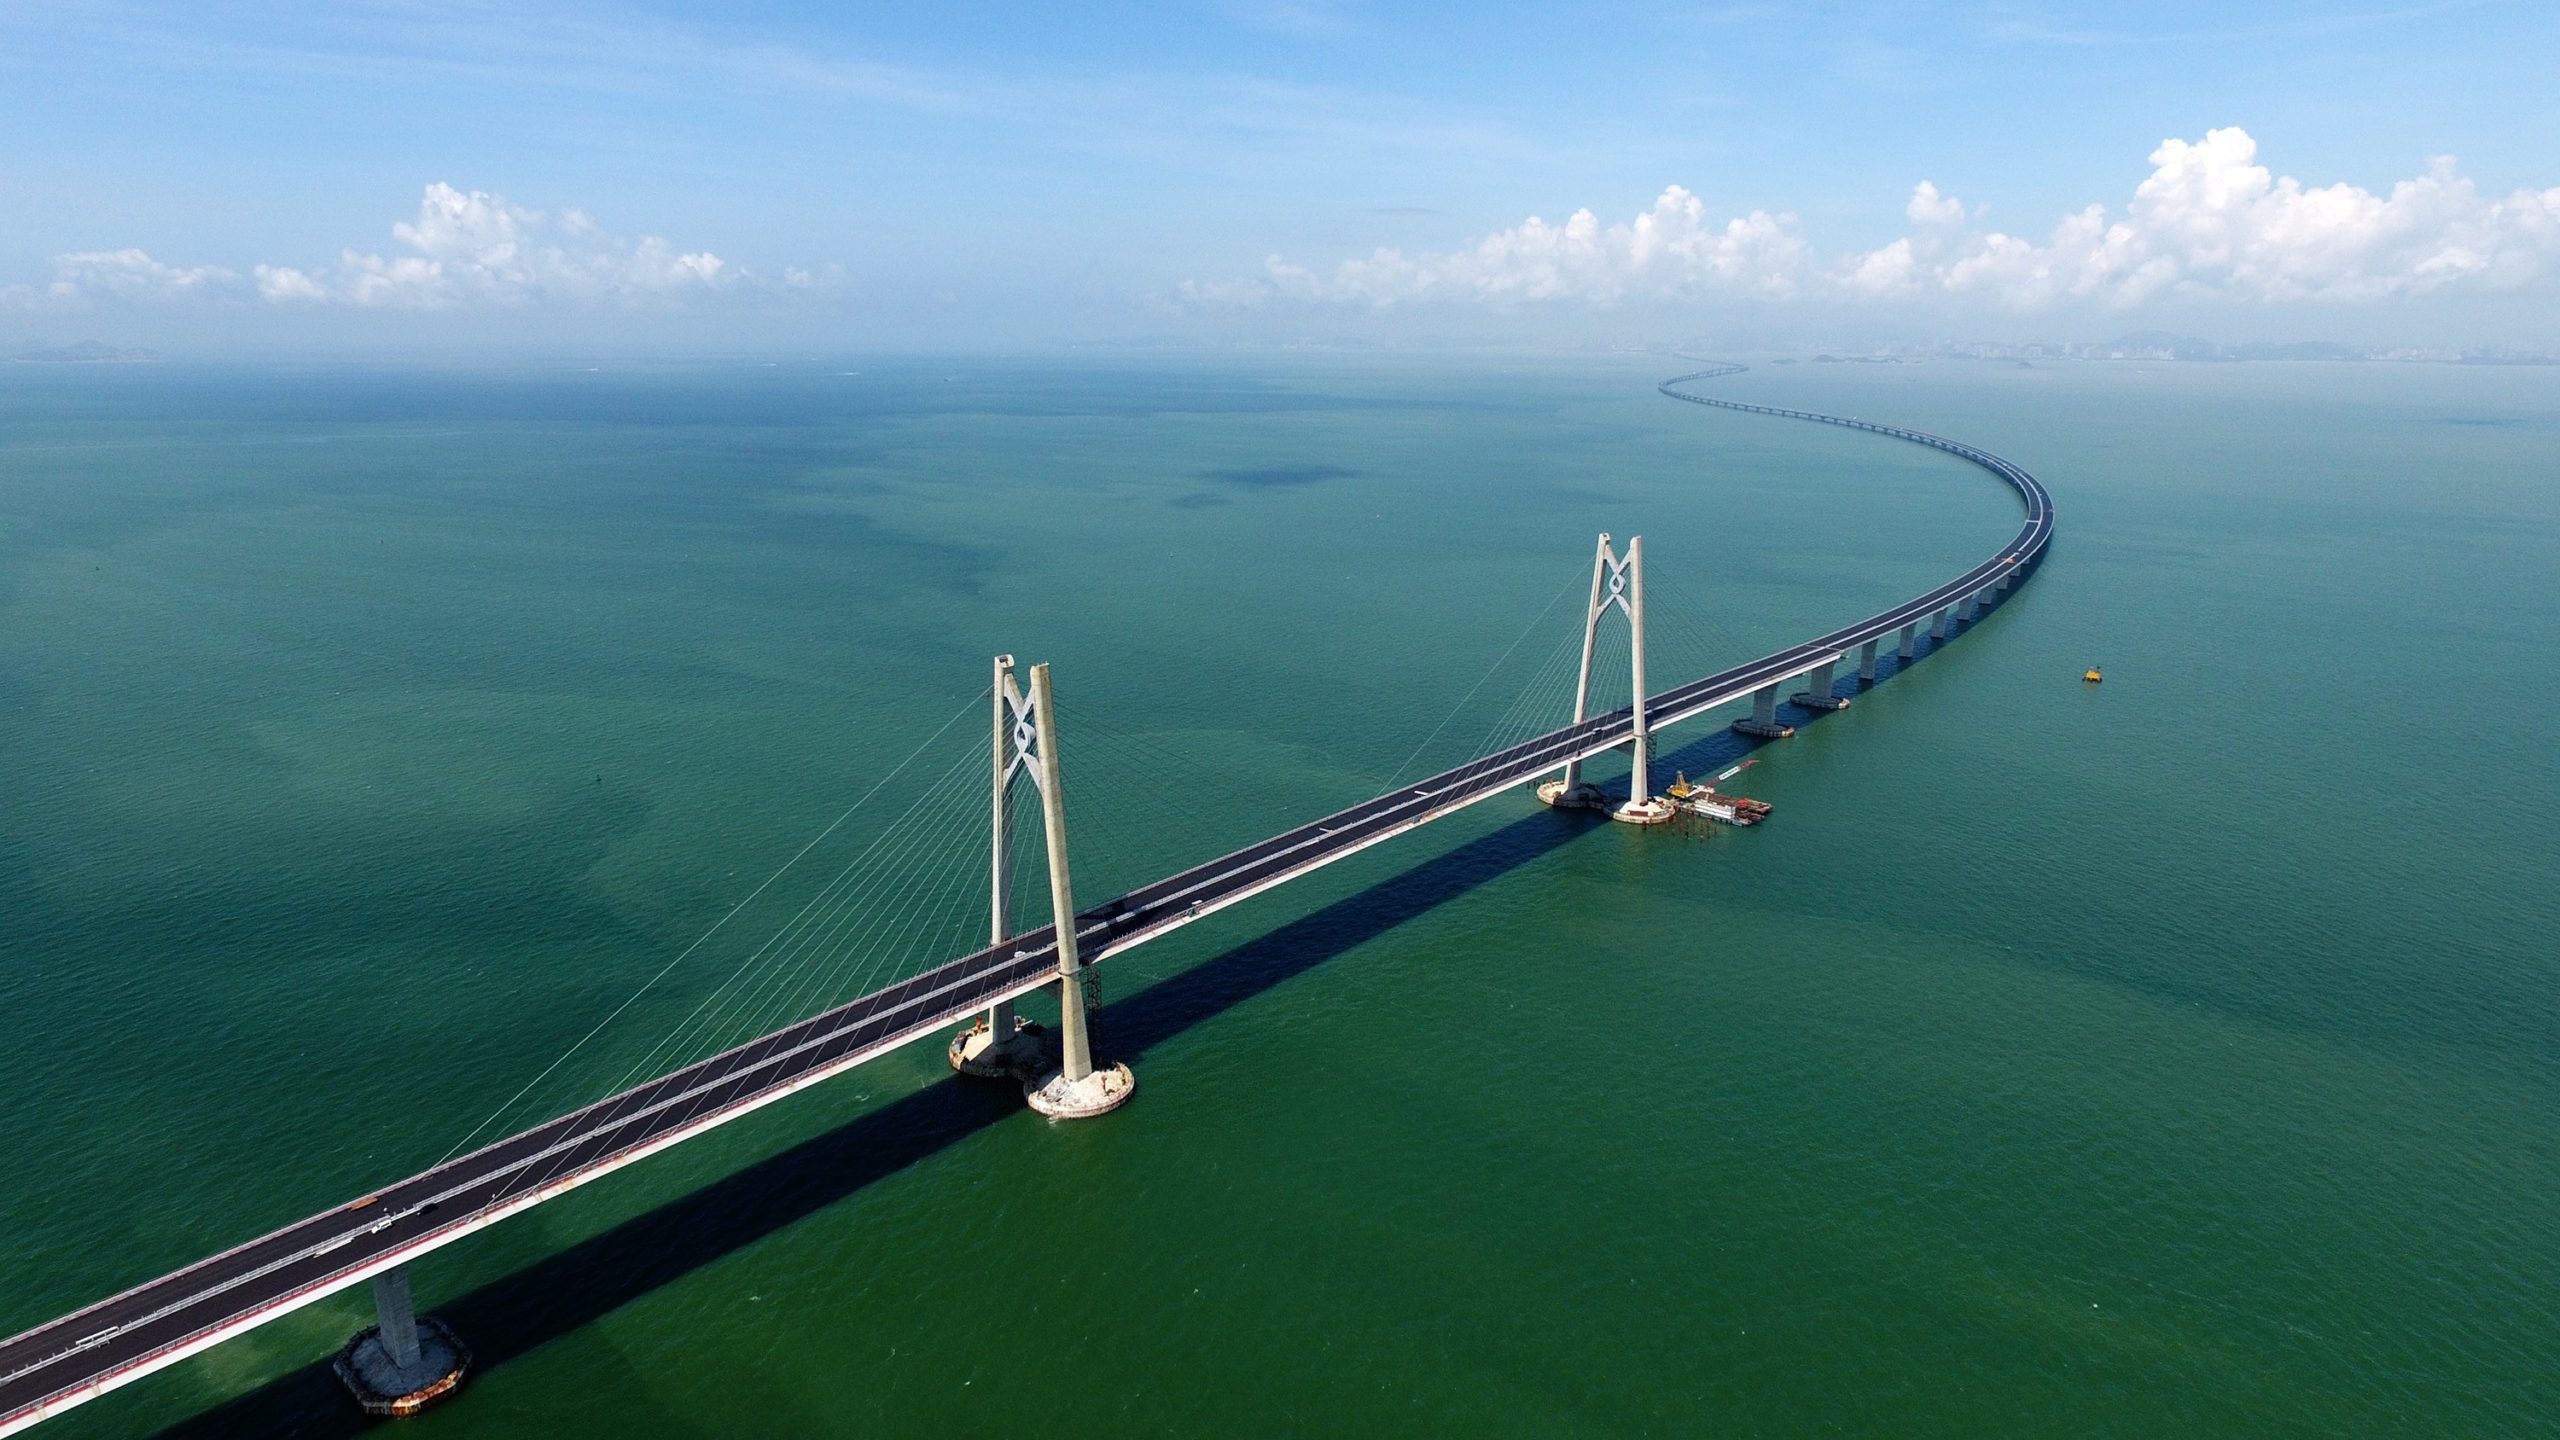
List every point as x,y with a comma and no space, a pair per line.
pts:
406,1360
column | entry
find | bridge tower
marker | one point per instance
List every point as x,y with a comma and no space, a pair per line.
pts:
1062,1083
1617,583
1002,1045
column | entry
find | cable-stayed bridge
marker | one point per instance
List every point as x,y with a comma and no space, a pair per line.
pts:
406,1360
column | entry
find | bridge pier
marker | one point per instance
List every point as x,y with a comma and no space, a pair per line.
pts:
1910,640
1938,631
1764,716
401,1363
1966,608
1867,662
1817,690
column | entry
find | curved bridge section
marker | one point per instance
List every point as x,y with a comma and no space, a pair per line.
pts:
73,1359
2024,550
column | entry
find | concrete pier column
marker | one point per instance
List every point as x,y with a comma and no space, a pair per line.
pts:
1964,611
1818,686
1938,631
1910,640
1764,716
397,1315
403,1362
1867,661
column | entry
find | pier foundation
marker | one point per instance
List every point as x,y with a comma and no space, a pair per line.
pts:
1001,1046
1646,810
1099,1092
1578,795
1817,690
403,1362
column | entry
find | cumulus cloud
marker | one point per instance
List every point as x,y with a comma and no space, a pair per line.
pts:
2210,222
474,247
462,248
1671,248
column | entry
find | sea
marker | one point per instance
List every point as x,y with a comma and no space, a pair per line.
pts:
396,755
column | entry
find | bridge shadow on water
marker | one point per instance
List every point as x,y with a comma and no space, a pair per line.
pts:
553,1297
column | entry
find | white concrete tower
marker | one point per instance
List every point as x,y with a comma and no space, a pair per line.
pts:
1076,1089
1618,584
1002,1045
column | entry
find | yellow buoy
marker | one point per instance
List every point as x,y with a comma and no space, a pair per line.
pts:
2093,676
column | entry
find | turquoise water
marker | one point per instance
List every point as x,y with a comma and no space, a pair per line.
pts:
2174,1056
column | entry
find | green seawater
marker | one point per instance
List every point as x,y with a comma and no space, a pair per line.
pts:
2176,1056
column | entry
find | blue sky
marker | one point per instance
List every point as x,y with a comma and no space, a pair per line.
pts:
1018,174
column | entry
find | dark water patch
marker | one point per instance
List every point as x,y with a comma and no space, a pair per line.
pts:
1281,477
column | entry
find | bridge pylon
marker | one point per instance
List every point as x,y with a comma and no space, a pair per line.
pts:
1003,1045
1061,1082
1617,583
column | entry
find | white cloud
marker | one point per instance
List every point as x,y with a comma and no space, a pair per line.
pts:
283,282
1669,249
2209,222
472,247
463,248
131,275
1928,207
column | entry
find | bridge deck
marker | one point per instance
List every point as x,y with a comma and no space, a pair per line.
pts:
84,1354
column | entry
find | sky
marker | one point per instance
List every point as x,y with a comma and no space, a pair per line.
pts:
421,173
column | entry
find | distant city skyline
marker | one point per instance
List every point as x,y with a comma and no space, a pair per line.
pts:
432,175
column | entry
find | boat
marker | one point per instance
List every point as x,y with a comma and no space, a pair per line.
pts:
1703,799
2093,677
